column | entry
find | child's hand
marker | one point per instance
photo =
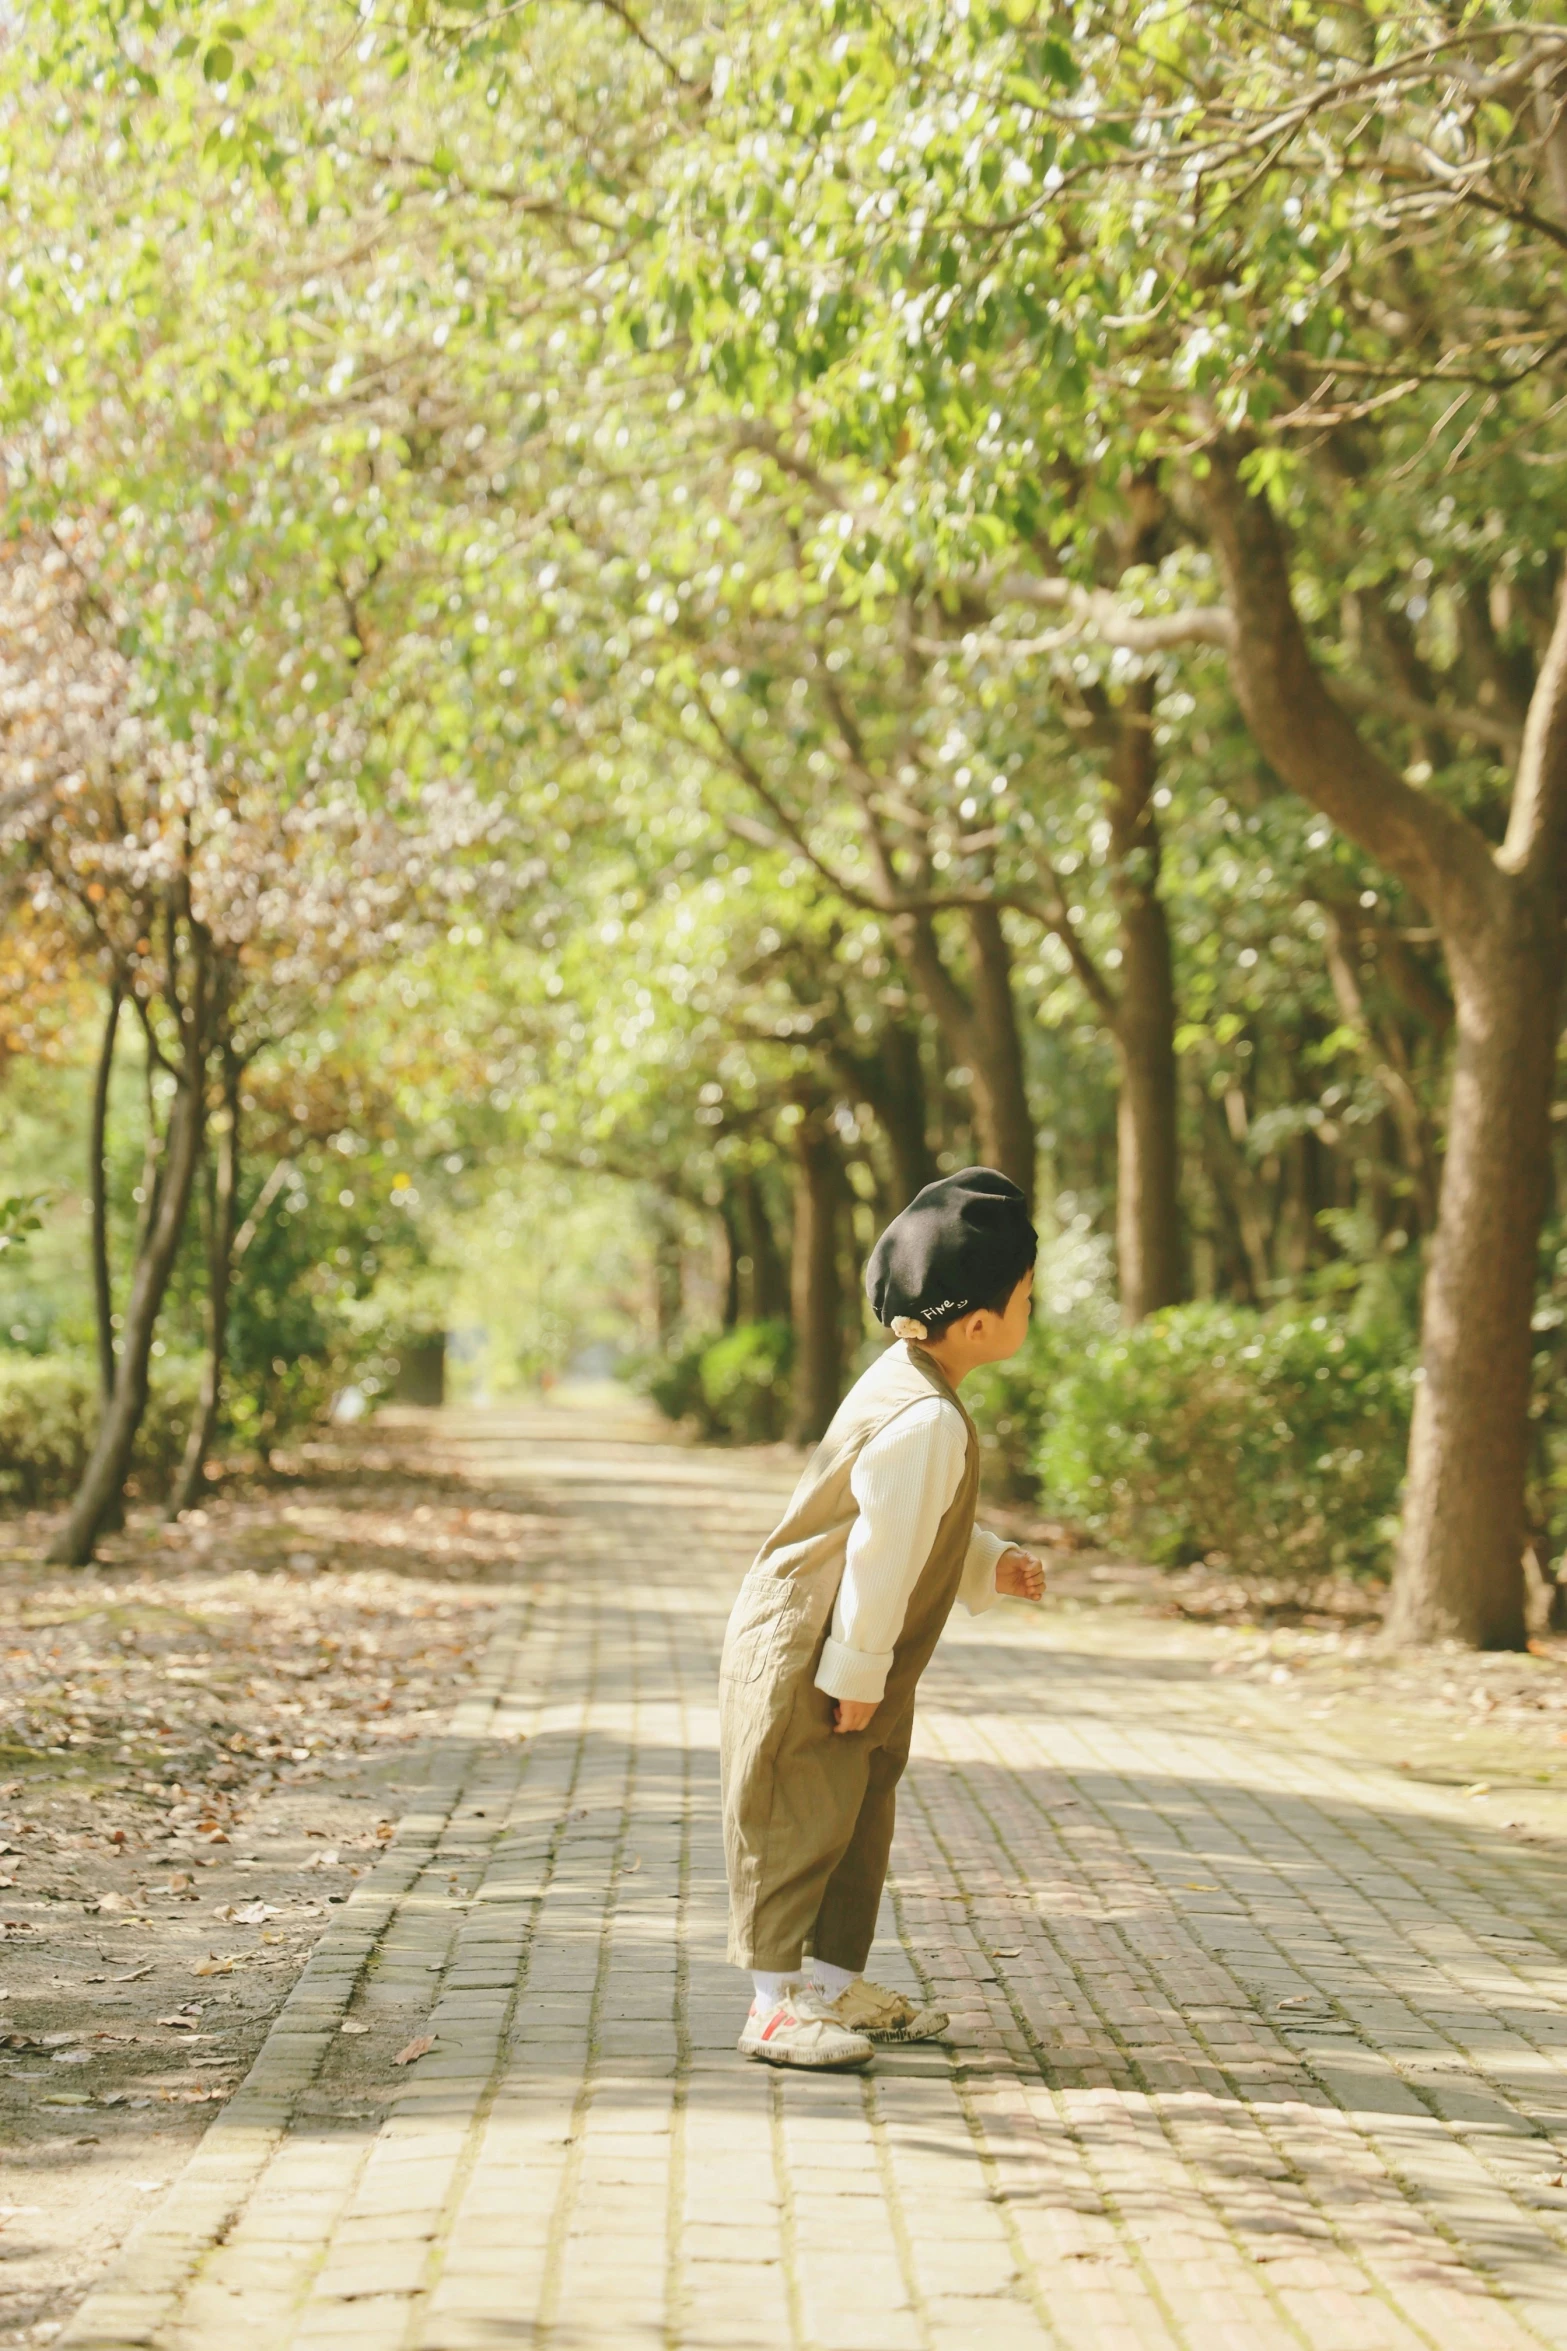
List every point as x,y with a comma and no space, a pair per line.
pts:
1020,1575
852,1714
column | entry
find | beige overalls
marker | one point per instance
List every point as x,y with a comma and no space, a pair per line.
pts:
808,1812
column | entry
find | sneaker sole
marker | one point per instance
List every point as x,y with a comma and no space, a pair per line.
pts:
766,2053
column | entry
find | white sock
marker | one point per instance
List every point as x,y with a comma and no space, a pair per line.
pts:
834,1980
770,1988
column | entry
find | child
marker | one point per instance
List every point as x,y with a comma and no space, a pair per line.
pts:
837,1619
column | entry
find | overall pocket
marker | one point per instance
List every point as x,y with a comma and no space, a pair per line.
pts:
754,1623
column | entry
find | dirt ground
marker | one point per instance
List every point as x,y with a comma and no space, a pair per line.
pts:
208,1735
204,1739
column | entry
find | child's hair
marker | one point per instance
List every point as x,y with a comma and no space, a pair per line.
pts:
936,1325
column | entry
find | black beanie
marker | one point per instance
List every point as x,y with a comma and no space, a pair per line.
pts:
957,1246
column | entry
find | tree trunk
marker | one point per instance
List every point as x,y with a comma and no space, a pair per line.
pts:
668,1271
1460,1562
733,1252
98,1196
901,1110
1148,1167
980,1034
892,1081
220,1267
104,1476
769,1274
1459,1573
1004,1126
816,1297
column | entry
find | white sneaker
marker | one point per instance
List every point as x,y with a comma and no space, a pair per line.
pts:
800,2029
870,2010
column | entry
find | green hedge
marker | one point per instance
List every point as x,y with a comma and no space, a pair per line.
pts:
1275,1442
734,1387
49,1417
1074,1312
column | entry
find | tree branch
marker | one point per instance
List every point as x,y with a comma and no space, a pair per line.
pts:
1301,730
1537,827
1390,703
1116,624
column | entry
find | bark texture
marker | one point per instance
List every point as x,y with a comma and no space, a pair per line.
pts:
1460,1563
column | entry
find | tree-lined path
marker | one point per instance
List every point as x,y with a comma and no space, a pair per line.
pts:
1254,2043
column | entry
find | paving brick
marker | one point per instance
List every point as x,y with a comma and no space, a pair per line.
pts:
1129,2146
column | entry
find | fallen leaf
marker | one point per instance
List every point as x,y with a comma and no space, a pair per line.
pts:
68,2098
184,2024
353,2024
213,1965
135,1974
419,2048
1298,2000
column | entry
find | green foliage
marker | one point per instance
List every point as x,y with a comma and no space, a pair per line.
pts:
1074,1311
49,1417
1273,1441
674,1382
19,1216
735,1387
745,1382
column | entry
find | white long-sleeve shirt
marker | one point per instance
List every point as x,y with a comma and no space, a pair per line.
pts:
904,1482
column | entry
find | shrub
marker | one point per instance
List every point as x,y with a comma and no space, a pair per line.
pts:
745,1382
674,1382
1074,1309
735,1386
49,1417
1275,1441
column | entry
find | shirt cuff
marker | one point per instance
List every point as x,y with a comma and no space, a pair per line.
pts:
853,1673
978,1591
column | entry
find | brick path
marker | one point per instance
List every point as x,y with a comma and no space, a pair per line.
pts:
1253,2047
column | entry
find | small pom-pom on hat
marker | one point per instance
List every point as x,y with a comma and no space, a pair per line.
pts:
966,1241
